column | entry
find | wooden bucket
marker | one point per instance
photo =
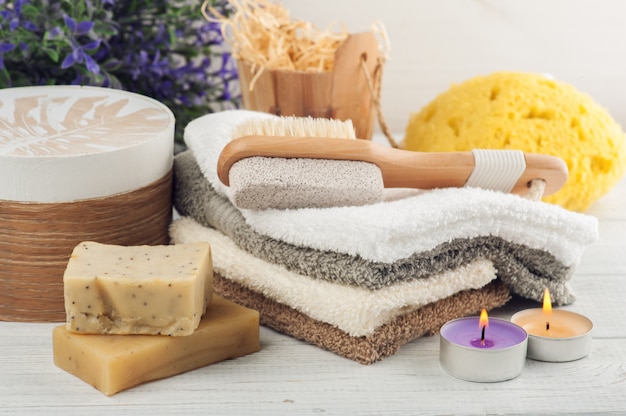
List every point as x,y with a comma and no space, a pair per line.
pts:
343,94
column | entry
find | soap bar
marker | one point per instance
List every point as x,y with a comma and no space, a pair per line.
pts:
112,363
159,290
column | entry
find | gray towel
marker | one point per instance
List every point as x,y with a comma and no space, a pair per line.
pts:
524,270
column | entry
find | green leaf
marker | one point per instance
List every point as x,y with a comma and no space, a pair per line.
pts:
79,10
5,78
29,11
53,54
172,34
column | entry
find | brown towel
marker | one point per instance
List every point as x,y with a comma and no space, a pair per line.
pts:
385,341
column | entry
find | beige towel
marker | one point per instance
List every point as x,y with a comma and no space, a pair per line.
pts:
355,310
385,341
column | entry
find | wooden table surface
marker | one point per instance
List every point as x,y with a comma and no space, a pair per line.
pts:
290,377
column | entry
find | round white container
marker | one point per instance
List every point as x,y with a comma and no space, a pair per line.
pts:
76,163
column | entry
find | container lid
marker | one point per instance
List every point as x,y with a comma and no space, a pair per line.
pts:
68,143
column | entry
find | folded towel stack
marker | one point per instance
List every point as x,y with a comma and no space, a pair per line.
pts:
362,281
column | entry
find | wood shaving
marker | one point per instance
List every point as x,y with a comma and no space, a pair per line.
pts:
263,34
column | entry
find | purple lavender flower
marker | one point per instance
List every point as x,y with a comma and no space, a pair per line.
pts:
159,48
79,53
4,48
55,33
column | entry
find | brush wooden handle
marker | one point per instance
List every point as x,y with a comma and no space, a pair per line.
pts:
400,168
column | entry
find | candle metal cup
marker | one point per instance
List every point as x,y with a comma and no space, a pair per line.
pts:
489,363
568,339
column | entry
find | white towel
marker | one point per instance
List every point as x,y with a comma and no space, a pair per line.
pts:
354,310
395,229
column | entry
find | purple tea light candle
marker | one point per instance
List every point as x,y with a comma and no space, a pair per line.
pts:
482,349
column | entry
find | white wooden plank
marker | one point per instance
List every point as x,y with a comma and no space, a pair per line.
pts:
310,381
612,205
607,256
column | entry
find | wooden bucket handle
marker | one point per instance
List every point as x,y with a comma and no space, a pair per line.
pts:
350,92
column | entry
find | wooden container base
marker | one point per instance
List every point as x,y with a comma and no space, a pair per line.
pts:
36,240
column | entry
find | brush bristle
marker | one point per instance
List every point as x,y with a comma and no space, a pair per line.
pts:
296,127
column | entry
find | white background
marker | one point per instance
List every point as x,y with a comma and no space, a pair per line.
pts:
435,43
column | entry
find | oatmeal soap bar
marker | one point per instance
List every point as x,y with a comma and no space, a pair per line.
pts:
112,363
158,290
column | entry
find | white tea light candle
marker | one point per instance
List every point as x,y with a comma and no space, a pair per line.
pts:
555,335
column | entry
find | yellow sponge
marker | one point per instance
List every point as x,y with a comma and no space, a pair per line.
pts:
533,113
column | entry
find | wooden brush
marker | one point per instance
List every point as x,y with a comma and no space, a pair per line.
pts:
295,162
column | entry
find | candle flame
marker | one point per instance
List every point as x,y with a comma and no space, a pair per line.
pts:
547,304
483,321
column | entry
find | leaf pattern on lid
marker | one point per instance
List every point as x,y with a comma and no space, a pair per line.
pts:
74,124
